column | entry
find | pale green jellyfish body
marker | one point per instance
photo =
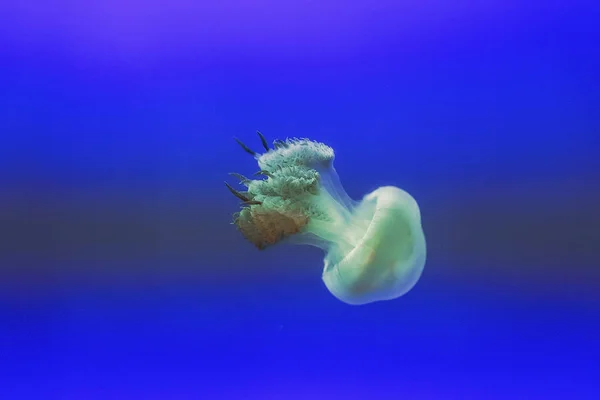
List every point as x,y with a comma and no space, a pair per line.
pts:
375,249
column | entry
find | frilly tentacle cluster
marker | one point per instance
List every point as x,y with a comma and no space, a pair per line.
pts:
279,205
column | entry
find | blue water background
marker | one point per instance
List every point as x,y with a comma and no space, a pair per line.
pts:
122,277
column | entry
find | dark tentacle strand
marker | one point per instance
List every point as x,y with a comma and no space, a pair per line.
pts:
279,144
252,203
242,178
246,148
263,140
264,172
236,193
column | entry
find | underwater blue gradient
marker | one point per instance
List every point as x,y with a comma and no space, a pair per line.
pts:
121,276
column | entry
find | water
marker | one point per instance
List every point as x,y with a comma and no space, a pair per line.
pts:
123,278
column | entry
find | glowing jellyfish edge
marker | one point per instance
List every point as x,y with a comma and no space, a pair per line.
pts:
375,249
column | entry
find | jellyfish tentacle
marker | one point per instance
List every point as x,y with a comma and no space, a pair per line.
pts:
252,203
246,148
263,140
278,144
234,219
237,194
243,180
264,172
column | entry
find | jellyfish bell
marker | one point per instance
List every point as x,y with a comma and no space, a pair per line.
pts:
374,248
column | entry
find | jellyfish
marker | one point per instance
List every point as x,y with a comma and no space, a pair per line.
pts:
374,248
